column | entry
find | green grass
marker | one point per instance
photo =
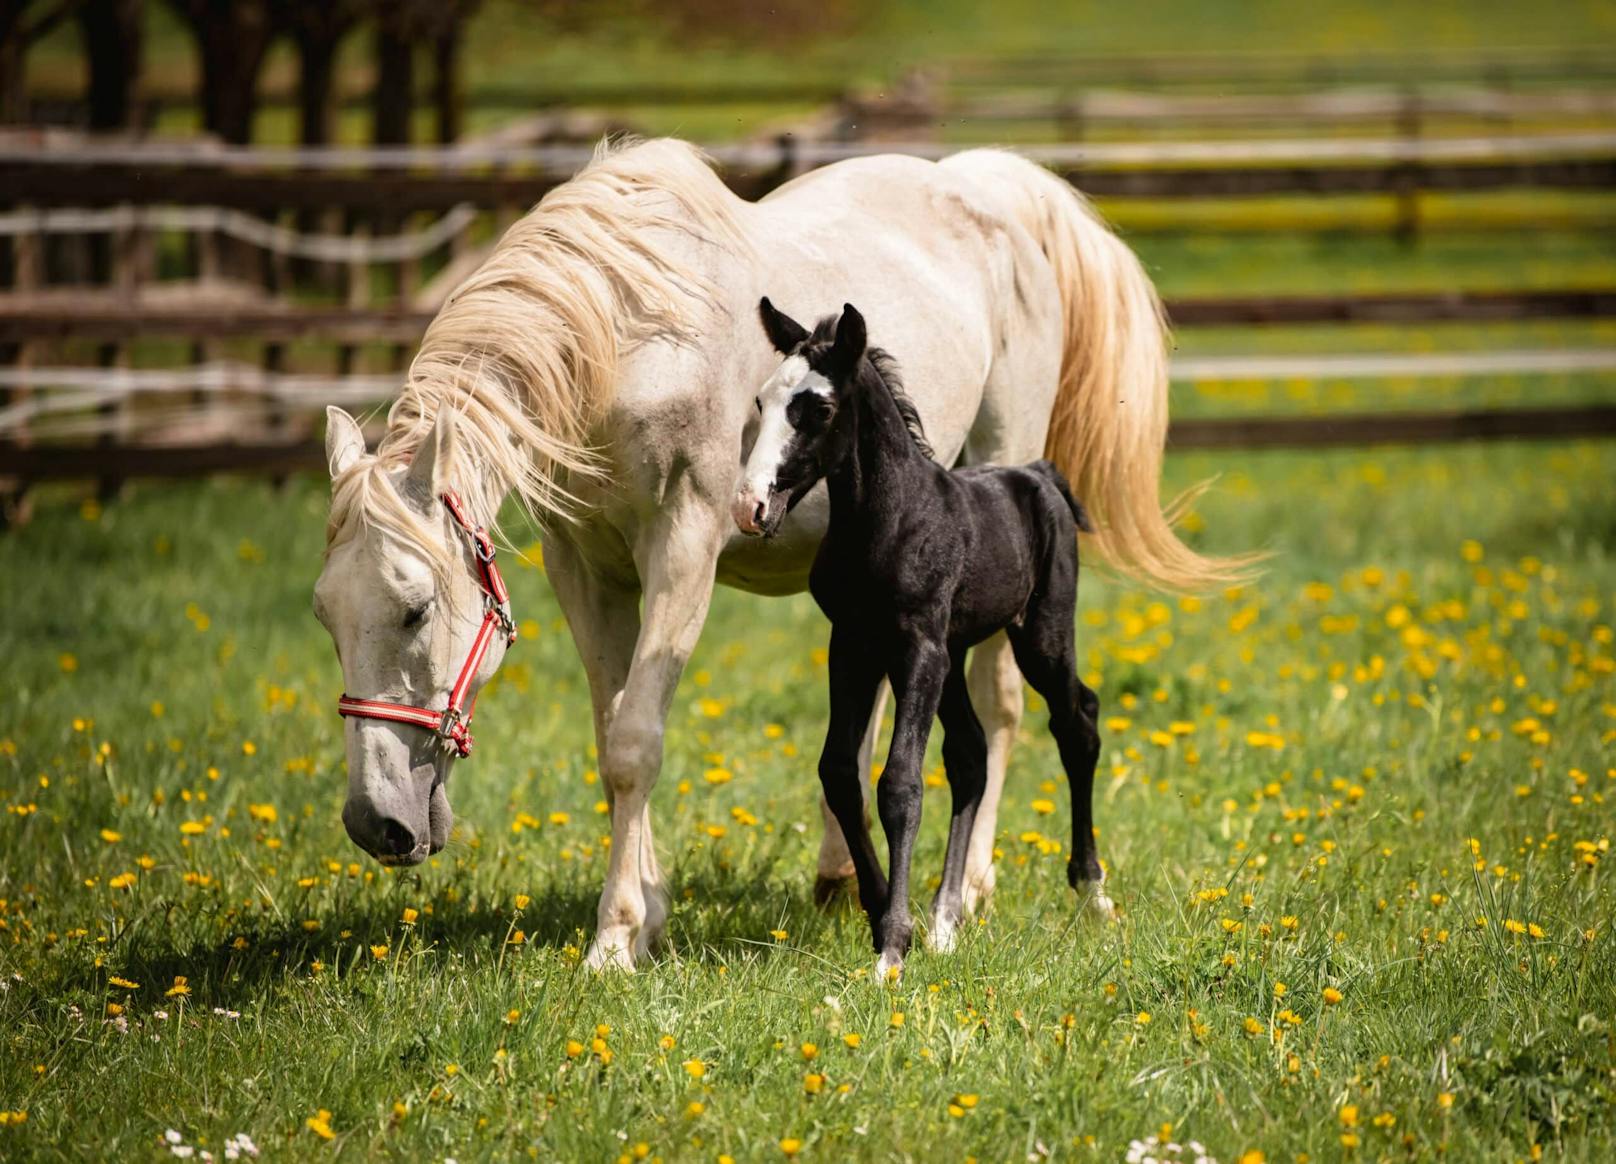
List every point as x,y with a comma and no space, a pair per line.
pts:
1356,718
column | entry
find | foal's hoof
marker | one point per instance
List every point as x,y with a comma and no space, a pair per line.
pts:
1095,901
828,890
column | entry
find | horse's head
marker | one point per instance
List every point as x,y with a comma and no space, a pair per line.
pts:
406,607
799,440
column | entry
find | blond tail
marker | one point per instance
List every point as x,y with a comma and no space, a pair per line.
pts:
1109,424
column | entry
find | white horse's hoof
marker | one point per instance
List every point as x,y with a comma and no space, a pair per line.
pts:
888,969
942,936
976,889
610,955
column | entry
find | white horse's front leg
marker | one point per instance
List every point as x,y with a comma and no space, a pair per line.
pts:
835,859
995,685
676,557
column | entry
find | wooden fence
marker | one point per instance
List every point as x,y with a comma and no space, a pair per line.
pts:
412,180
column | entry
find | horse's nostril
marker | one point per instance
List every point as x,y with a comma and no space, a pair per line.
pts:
757,513
397,841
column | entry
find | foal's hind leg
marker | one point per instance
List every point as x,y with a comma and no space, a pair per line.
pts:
1047,656
965,757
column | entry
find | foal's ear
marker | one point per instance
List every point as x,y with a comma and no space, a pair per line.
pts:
851,339
344,443
430,469
785,333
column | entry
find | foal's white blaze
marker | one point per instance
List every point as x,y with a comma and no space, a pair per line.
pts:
792,378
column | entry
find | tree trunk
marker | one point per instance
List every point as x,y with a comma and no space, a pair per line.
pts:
317,63
232,38
448,100
393,101
112,46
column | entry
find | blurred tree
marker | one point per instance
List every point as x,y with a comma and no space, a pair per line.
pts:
393,98
402,26
318,28
112,47
232,38
22,22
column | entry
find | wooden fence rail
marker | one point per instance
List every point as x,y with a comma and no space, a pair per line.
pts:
99,316
422,179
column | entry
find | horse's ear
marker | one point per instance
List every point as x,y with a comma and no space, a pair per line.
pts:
434,459
785,333
851,338
344,443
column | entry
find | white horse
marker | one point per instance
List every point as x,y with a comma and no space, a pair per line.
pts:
602,366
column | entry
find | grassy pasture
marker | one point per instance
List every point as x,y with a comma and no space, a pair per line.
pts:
1324,780
1357,814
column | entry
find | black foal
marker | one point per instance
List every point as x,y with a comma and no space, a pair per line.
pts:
918,565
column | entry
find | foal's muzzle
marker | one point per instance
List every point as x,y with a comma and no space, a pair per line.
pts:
751,512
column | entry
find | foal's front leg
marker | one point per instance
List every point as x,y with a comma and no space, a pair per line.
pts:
917,686
843,763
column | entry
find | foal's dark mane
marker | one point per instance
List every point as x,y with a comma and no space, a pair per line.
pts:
879,369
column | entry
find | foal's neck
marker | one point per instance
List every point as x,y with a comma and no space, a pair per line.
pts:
882,453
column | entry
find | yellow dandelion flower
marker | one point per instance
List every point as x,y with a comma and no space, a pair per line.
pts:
790,1145
574,1048
180,988
695,1068
378,952
897,1018
523,901
694,1108
320,1125
813,1083
853,1039
1332,996
1142,1018
111,837
779,935
409,915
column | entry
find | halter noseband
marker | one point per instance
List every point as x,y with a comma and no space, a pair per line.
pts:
452,725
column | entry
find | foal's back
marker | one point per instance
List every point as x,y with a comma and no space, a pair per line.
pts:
1013,532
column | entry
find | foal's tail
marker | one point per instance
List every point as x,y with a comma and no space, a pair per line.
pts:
1109,423
1055,477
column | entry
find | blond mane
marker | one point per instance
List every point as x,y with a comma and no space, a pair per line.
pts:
526,350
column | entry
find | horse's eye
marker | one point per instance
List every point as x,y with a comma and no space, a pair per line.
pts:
416,615
758,400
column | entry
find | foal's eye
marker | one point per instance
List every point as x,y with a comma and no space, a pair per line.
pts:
416,615
758,401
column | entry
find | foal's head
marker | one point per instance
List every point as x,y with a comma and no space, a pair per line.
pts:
801,434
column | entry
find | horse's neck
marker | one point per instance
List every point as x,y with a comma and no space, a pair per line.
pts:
869,479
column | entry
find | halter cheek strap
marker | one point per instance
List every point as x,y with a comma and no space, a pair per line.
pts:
452,724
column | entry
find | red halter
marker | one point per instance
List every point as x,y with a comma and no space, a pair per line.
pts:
450,725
